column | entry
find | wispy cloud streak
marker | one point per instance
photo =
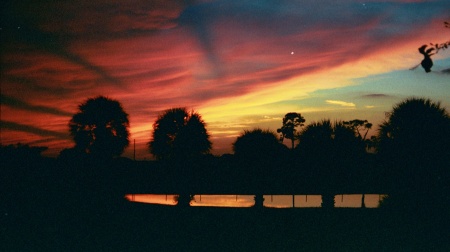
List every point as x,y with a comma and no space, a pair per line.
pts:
341,103
34,130
18,104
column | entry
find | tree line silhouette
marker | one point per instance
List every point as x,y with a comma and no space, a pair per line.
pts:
410,161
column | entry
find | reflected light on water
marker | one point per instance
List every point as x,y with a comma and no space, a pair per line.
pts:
287,201
198,200
162,199
355,200
270,201
223,200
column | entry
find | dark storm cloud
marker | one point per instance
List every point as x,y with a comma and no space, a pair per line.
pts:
34,130
100,19
18,104
446,71
376,96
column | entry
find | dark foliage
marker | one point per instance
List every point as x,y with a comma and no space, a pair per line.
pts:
178,134
258,145
21,152
414,147
291,121
426,63
330,156
181,140
357,125
262,160
100,128
427,52
261,157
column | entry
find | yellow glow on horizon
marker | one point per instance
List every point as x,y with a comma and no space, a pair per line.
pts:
264,101
141,133
261,102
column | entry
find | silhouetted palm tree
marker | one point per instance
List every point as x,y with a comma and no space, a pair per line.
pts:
259,154
414,145
179,134
330,152
316,137
358,126
100,127
413,126
315,149
335,140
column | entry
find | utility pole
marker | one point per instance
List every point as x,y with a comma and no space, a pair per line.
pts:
134,149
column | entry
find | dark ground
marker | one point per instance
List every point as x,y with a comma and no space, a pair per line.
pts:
144,227
48,206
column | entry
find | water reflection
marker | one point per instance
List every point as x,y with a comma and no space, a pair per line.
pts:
287,201
271,201
356,200
162,199
223,200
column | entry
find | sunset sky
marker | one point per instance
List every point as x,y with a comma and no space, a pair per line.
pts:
240,64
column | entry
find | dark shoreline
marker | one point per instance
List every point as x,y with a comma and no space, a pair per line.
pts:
144,227
78,205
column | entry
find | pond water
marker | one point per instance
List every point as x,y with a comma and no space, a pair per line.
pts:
273,201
